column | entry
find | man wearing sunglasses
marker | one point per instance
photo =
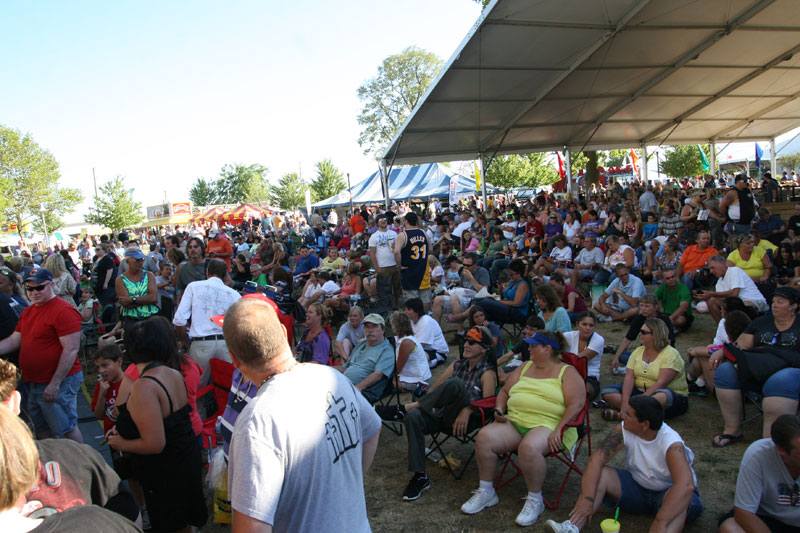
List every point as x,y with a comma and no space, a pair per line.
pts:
48,336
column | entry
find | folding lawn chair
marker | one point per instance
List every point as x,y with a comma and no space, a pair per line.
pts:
581,423
213,398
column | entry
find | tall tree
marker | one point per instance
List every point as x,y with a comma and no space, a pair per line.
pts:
683,161
203,192
29,178
114,208
239,183
391,96
528,170
290,192
789,162
329,181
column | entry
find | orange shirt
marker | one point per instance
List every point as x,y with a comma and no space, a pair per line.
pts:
692,259
220,246
358,224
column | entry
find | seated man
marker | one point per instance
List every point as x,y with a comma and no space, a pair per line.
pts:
586,264
694,258
371,360
473,279
445,406
675,300
731,281
648,308
625,292
766,491
658,478
428,332
305,263
350,333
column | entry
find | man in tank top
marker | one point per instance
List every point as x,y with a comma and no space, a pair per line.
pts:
738,205
411,251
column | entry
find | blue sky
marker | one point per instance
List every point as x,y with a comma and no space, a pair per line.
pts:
166,92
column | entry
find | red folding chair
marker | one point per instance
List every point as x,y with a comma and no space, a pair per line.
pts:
581,423
215,395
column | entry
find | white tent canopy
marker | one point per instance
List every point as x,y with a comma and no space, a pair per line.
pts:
599,74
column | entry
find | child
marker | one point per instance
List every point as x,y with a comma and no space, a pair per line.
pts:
166,292
109,377
650,230
88,308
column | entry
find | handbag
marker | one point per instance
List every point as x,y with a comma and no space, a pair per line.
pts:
756,366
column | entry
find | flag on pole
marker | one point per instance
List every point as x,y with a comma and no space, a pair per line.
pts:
706,164
759,154
477,178
635,161
561,171
560,185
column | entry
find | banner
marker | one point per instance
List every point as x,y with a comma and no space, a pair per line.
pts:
477,178
452,197
181,208
759,155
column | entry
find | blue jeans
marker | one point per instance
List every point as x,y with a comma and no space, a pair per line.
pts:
636,499
61,415
498,265
497,312
676,404
784,383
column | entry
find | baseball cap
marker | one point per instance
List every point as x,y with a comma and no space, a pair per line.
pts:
790,293
538,338
480,335
220,319
375,318
740,177
38,274
212,233
135,252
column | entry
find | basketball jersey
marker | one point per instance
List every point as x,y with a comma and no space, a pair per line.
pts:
414,257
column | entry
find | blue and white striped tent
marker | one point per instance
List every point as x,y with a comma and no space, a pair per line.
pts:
420,182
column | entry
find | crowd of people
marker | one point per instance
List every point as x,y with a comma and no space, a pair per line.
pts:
369,292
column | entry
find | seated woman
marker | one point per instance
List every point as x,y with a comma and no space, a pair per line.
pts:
787,269
585,342
315,344
555,317
469,243
350,333
559,256
351,286
668,260
312,287
240,273
333,262
656,369
477,317
781,391
616,253
496,248
513,305
411,360
571,299
754,261
572,228
536,403
165,454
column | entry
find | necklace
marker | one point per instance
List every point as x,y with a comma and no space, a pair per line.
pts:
295,365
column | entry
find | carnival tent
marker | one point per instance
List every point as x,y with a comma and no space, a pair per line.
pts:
241,212
600,74
420,182
211,214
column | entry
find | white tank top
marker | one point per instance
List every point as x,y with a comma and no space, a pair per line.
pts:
646,460
416,368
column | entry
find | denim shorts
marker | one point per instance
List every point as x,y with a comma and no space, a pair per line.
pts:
676,404
784,383
61,415
636,499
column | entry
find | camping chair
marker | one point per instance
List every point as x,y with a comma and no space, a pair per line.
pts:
483,416
385,393
213,398
581,423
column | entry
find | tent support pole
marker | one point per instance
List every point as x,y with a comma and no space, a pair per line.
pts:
643,163
568,173
385,180
483,181
773,159
712,147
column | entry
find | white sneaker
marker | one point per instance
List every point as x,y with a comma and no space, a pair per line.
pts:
481,499
530,511
620,370
604,318
552,526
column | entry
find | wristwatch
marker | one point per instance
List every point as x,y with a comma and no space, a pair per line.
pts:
133,299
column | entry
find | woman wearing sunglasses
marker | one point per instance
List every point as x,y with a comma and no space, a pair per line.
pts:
656,369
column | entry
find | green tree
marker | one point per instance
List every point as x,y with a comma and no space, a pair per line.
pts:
391,96
329,181
29,178
789,162
114,208
683,161
528,170
203,192
239,183
290,192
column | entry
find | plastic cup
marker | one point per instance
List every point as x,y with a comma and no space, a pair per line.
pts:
609,526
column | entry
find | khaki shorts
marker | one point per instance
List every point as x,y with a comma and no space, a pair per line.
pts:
422,294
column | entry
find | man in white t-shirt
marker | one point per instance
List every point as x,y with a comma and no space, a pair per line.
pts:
509,227
381,251
427,331
465,224
658,478
731,281
307,436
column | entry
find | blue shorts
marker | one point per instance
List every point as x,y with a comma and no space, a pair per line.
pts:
61,415
784,383
636,499
676,404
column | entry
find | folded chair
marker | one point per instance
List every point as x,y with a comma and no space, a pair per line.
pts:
213,398
581,423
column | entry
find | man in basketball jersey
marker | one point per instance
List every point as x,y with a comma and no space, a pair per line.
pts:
411,251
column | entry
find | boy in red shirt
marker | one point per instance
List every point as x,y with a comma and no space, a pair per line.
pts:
109,368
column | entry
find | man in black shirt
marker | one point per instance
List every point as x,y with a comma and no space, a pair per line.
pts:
793,227
648,308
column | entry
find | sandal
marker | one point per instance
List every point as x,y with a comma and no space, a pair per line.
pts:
601,404
449,319
611,415
729,439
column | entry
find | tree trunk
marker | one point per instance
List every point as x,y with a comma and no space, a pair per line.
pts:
592,176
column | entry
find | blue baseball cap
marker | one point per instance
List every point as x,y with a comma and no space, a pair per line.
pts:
538,338
38,274
134,252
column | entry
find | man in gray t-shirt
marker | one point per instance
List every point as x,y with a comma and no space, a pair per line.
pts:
371,360
301,447
767,494
350,333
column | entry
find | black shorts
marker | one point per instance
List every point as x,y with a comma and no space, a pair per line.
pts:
775,526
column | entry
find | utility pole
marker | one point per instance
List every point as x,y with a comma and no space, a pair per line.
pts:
95,182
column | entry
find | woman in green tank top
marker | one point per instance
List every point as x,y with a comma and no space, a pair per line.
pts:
136,290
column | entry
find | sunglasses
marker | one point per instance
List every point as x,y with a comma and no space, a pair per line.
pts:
645,332
471,342
37,288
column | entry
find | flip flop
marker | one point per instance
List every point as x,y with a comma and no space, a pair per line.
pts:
731,439
611,415
601,404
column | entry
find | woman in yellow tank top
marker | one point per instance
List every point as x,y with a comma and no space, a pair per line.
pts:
536,402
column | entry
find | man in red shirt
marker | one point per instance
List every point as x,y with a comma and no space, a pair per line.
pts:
219,247
533,228
47,336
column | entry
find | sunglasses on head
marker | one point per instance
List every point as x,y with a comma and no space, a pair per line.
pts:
645,332
36,288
